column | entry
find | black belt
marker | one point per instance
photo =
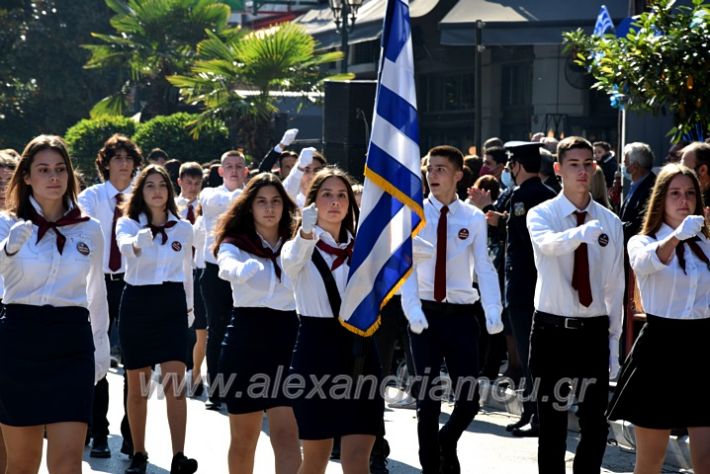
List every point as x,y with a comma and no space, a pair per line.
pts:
563,322
447,308
113,276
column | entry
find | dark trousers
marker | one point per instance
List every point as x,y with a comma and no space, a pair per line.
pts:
199,310
452,336
99,423
393,328
217,294
521,325
558,355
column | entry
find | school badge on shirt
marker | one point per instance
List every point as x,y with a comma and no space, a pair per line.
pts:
177,246
603,240
463,234
519,209
83,249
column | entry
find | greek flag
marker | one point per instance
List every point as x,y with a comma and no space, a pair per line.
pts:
391,213
604,23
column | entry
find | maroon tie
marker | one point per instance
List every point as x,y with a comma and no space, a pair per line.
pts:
114,259
341,255
440,268
160,230
580,275
191,214
72,217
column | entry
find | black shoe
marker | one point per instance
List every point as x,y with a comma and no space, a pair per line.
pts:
378,464
214,405
182,465
520,423
127,448
139,463
527,431
99,448
449,460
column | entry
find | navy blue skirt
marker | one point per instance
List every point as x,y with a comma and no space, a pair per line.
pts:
152,324
46,365
255,359
662,374
340,375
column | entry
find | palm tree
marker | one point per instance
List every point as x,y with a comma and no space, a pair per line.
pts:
237,72
153,39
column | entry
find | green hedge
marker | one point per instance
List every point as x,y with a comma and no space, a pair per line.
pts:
87,136
172,134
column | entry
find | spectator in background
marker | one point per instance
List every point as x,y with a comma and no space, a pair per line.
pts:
173,168
474,163
357,191
465,183
494,161
537,137
674,152
550,143
547,171
491,143
638,161
696,156
158,157
606,160
598,188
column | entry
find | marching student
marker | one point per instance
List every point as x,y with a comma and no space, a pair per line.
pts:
155,307
574,344
442,319
54,323
299,179
216,292
190,182
317,261
116,164
8,164
671,258
261,334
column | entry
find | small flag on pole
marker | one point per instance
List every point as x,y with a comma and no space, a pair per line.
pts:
392,212
604,23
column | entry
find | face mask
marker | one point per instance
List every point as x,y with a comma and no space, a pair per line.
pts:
507,179
485,170
625,172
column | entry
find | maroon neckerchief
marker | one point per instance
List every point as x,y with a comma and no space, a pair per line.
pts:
341,255
72,217
160,229
695,248
252,244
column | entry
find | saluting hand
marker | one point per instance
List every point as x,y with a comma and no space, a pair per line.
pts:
144,239
309,219
289,136
20,233
689,228
590,231
306,157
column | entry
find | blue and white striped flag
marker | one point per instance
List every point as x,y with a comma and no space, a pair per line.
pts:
391,213
604,23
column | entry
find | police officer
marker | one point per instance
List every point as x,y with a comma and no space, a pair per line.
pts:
520,274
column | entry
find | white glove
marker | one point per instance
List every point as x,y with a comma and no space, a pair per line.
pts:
417,320
421,250
689,228
589,232
309,218
289,136
494,323
250,268
190,318
144,239
20,233
306,157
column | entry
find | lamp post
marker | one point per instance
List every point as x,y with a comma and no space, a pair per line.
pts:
344,15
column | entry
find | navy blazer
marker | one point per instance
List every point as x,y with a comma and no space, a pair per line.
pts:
633,210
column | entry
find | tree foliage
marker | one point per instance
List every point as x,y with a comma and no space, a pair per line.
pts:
236,72
152,40
663,64
172,134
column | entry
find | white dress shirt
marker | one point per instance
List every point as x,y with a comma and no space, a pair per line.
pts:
309,289
552,226
292,185
198,230
158,263
200,235
467,258
39,275
667,291
99,202
215,202
263,289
